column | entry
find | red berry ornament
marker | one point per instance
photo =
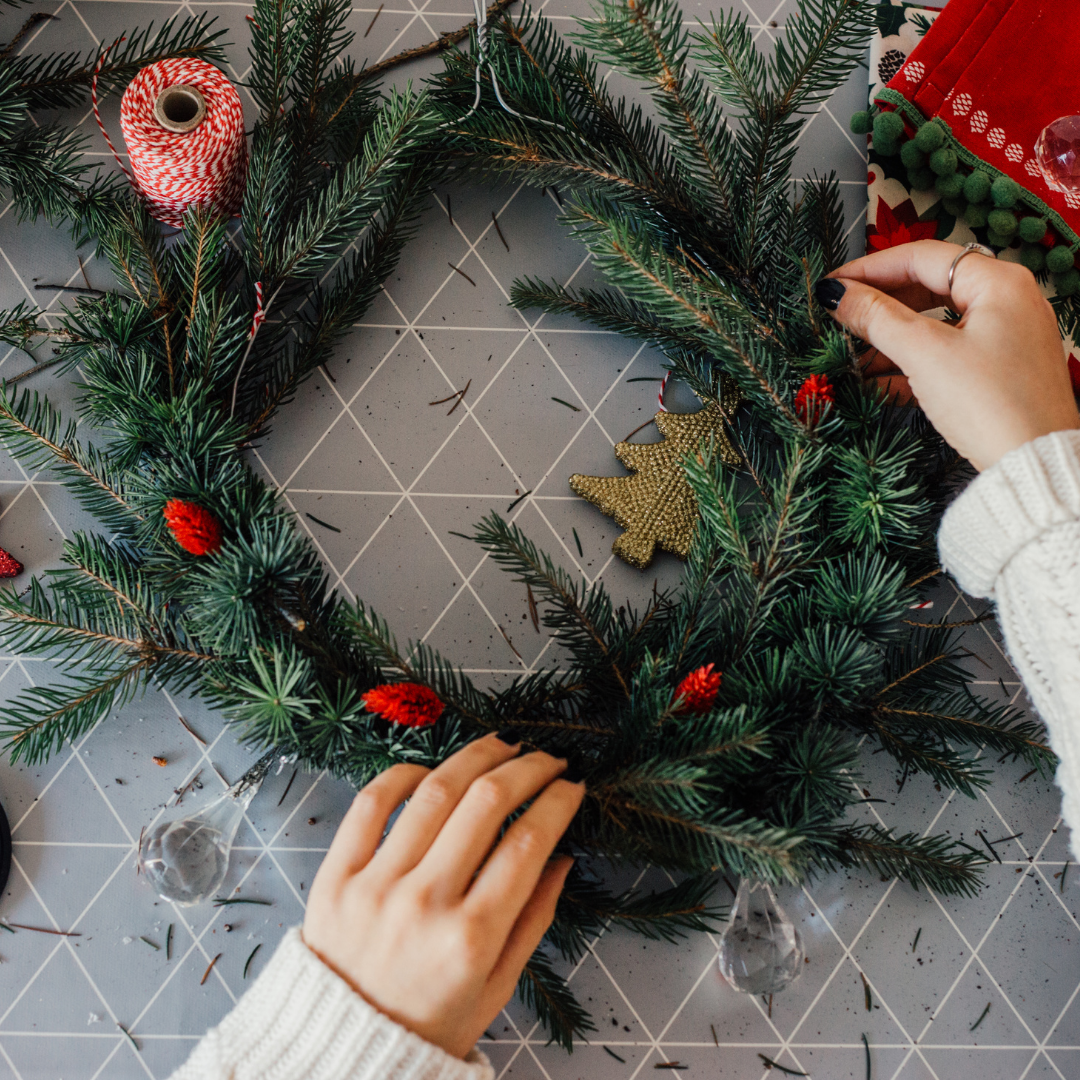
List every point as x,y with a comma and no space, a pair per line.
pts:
698,690
813,399
408,704
9,565
194,528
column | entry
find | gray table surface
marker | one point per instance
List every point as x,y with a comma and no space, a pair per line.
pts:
364,452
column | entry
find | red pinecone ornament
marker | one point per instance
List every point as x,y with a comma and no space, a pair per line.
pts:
813,398
408,704
194,528
698,690
9,565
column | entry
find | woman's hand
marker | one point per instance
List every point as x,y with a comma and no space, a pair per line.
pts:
433,927
989,383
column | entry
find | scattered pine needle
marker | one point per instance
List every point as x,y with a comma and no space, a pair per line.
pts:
449,212
458,270
4,926
194,734
986,843
712,1028
982,1016
1064,871
670,1065
608,1050
324,524
461,398
247,963
577,540
1015,836
770,1064
866,992
1027,775
373,18
168,942
866,1046
566,403
288,787
138,852
638,428
146,940
82,270
43,930
495,222
915,943
518,499
506,638
206,973
533,613
130,1037
220,902
646,378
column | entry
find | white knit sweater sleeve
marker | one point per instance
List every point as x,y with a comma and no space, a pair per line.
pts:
1014,535
301,1021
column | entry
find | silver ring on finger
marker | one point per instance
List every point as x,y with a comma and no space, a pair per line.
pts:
968,249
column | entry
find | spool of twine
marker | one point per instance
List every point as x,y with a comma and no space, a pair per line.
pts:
184,128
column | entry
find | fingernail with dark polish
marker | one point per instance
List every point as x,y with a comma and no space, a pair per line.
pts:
572,774
508,736
829,292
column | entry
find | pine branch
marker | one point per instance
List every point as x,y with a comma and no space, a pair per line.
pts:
555,1006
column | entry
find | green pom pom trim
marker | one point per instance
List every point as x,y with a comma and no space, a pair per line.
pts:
954,207
943,161
862,122
888,127
911,155
920,179
975,215
886,147
1033,256
1005,191
949,186
1003,222
1067,284
977,187
995,239
1032,229
929,138
1059,260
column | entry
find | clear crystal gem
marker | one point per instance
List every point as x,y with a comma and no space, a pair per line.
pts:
1057,153
761,951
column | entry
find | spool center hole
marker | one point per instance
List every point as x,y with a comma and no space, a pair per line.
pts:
180,106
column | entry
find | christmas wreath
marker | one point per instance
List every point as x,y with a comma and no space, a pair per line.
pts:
718,728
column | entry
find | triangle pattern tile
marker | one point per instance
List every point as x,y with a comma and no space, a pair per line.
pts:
23,955
1036,948
914,1068
448,515
839,1014
29,533
356,517
927,974
69,878
357,358
850,1061
657,978
471,356
985,1064
67,1057
60,980
523,1067
599,995
597,1060
403,574
975,915
599,365
163,1056
1067,1061
326,802
961,1011
463,303
469,464
589,451
1066,1030
72,812
466,633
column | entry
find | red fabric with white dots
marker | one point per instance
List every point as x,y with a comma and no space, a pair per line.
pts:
999,71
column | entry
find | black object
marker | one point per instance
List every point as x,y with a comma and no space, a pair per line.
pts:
829,293
5,849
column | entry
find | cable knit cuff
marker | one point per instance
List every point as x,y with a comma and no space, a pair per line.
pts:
1031,489
301,1021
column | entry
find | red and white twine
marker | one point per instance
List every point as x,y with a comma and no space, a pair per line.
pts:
173,171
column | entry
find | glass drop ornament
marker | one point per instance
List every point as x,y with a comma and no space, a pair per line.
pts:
761,951
1057,153
186,858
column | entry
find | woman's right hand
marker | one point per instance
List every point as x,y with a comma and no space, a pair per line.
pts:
989,383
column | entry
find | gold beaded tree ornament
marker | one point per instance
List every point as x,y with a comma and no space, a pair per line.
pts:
656,506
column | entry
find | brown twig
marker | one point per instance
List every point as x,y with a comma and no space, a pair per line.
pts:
925,577
533,613
71,288
37,17
373,18
495,222
82,270
206,973
32,371
987,616
430,49
506,638
461,398
194,734
42,930
458,270
638,428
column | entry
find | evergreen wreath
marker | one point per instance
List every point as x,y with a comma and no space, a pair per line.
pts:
719,728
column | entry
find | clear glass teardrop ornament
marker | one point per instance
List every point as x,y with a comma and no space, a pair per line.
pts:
186,858
1057,154
761,951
